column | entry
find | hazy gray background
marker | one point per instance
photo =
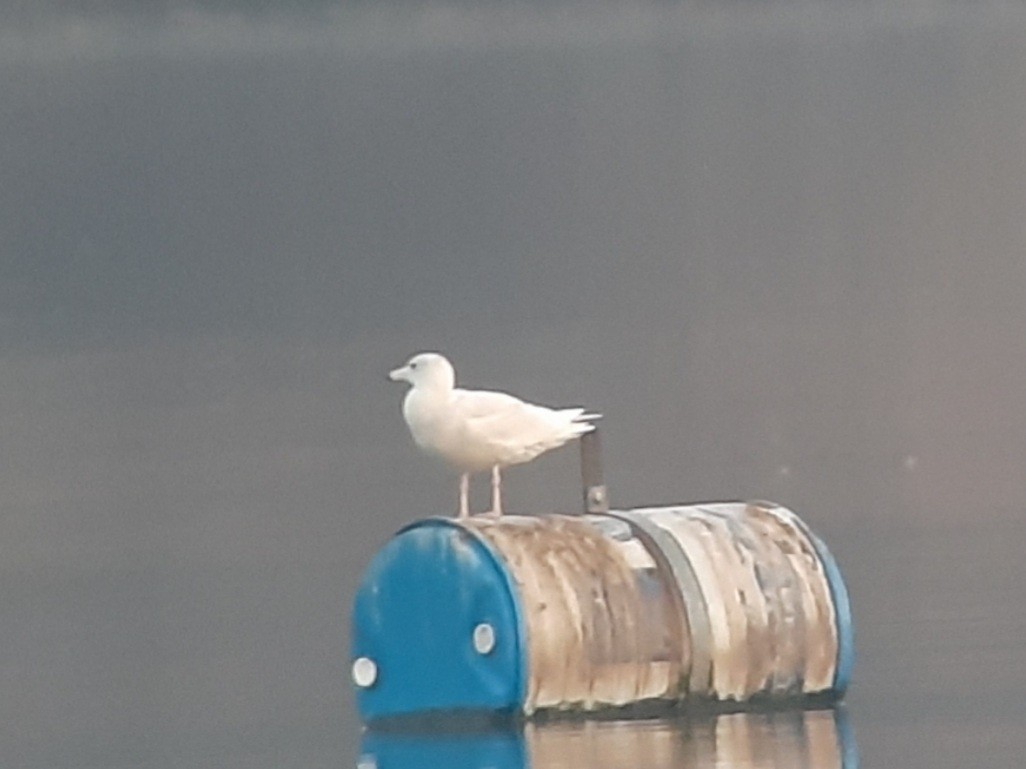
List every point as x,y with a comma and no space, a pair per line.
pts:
780,245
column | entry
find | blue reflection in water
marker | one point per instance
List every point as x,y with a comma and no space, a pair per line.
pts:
815,739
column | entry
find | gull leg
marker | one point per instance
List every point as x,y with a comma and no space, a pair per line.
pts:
496,493
464,495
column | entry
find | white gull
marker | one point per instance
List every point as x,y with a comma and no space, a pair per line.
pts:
475,430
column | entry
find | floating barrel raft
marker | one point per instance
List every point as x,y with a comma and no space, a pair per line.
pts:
724,602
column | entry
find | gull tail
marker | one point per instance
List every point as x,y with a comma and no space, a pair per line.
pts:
578,421
555,427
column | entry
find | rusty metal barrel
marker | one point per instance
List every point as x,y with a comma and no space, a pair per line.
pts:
724,602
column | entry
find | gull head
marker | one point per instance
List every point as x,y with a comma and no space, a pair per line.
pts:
428,370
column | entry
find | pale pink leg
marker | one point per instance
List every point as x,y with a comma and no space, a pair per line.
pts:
464,495
496,492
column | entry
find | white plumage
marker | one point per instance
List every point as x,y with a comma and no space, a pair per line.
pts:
475,430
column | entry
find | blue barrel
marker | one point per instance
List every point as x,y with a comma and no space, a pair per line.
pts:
729,602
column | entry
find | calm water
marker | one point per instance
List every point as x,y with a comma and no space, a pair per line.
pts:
779,245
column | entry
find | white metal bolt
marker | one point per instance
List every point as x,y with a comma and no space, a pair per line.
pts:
484,638
365,672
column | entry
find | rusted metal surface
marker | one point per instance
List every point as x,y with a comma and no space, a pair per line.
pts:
603,626
694,613
822,624
819,640
769,612
724,601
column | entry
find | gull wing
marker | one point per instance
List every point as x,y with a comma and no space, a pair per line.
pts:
523,429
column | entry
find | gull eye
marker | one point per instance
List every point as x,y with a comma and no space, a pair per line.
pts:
413,365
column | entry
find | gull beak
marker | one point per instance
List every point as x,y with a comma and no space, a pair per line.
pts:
399,374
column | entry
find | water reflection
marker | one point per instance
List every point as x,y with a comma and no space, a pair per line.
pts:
815,739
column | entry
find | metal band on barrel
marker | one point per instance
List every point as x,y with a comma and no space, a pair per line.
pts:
691,596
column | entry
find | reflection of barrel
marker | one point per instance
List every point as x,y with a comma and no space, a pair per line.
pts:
816,739
725,602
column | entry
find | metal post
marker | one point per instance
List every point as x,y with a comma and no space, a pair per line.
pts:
596,499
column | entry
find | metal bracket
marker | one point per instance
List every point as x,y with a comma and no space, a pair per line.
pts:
596,497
